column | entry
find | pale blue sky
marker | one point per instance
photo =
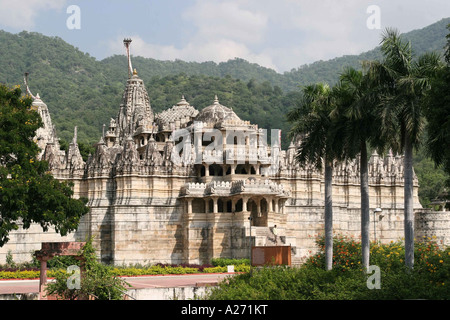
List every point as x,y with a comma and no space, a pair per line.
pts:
280,34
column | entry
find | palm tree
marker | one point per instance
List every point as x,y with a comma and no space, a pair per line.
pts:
312,121
356,102
405,83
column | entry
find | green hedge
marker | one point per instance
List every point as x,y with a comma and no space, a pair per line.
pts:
25,274
223,262
124,271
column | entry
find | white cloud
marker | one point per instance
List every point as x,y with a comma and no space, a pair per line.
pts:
224,30
227,20
22,14
218,51
285,34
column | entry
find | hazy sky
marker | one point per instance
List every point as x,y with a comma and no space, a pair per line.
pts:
280,34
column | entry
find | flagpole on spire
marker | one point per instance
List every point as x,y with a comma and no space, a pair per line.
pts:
25,80
127,42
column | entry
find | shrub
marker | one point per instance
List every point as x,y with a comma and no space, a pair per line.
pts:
429,257
19,274
97,281
223,262
347,281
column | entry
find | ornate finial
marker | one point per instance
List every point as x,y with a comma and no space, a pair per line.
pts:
390,154
127,43
75,135
134,72
216,100
182,102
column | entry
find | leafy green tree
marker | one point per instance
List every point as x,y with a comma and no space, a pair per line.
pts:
28,192
406,82
97,280
438,116
356,103
319,144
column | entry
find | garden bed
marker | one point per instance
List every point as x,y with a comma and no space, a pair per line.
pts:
217,266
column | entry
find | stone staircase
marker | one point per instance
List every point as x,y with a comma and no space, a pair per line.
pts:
265,237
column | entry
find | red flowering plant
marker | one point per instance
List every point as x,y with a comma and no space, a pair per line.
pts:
431,258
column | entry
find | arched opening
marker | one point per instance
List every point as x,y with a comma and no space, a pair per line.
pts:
220,205
198,205
239,205
210,206
202,171
240,169
215,170
252,170
264,206
258,214
229,206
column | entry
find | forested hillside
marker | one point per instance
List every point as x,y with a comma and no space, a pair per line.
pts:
82,91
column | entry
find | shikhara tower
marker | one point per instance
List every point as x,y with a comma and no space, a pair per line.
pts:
147,208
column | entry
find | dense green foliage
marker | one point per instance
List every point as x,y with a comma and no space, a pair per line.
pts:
347,281
28,192
223,262
438,116
97,280
432,179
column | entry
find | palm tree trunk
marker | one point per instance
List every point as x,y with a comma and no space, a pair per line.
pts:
365,210
408,195
328,215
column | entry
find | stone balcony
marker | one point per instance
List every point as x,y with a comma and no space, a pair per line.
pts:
239,187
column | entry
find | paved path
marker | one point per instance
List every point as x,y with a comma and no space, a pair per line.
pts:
166,281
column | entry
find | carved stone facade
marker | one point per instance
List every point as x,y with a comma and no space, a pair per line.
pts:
156,196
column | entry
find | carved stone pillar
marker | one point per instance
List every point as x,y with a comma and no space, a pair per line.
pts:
244,204
189,205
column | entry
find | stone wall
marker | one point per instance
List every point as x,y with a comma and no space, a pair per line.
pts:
433,225
142,220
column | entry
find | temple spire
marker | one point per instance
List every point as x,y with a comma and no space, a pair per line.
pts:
127,43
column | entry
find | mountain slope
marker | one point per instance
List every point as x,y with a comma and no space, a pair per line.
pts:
430,38
82,91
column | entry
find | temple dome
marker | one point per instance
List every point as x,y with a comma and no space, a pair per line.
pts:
216,113
179,111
